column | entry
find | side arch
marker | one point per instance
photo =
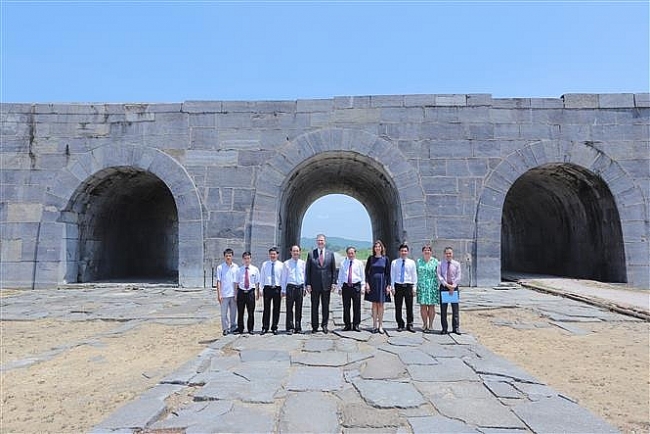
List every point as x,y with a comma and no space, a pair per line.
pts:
100,161
628,199
353,162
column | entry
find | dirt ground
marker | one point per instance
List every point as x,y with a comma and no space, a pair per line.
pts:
606,371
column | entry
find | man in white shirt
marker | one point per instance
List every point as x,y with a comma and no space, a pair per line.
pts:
270,278
226,275
403,274
247,286
293,288
352,277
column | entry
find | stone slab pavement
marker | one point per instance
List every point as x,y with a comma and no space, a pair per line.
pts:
396,382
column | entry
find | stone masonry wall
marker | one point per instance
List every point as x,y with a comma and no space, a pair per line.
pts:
236,168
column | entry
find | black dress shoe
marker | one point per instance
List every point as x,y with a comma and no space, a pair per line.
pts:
356,328
456,332
400,329
275,332
314,330
298,331
347,328
410,328
225,332
264,331
290,331
375,331
443,332
325,329
250,332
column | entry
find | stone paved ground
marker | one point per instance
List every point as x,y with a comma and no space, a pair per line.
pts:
336,382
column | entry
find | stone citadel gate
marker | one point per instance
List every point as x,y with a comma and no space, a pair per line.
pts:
155,192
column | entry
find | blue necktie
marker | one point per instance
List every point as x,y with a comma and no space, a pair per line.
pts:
401,276
272,273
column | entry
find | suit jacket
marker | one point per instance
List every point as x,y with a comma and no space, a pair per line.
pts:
320,278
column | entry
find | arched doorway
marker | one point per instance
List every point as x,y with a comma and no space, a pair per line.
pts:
342,172
127,224
562,220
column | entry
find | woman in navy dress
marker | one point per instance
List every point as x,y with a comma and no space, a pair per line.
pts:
378,284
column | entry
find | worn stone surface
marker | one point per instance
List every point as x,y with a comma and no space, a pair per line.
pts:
244,383
199,176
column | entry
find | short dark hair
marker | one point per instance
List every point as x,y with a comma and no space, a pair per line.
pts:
448,248
228,250
404,246
351,247
295,245
246,253
274,249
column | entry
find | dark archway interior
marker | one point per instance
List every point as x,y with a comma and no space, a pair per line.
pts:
342,173
562,220
128,228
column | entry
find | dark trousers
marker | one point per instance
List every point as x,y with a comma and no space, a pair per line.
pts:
351,296
294,299
271,294
245,301
455,313
320,297
404,292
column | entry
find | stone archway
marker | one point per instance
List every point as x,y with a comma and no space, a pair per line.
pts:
353,162
588,166
344,173
561,219
128,228
148,171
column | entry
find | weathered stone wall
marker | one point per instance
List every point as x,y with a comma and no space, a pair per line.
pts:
85,187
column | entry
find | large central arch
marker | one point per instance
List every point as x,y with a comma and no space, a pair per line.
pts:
343,172
364,166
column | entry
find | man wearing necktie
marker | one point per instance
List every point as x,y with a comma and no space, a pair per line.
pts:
449,277
320,279
352,277
247,286
403,274
293,287
271,275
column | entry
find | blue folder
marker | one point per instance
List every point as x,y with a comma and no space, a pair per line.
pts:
446,298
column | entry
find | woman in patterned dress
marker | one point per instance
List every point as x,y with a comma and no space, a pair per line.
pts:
378,284
427,290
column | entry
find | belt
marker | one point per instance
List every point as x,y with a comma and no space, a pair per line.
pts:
271,287
352,285
403,284
293,285
245,291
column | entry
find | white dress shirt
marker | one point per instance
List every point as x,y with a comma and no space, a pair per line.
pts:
265,278
358,272
253,277
293,273
410,271
226,276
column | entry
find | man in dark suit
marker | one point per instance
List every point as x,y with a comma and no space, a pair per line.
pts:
320,277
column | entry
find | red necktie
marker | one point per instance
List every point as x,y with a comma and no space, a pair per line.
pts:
449,272
350,274
321,260
247,281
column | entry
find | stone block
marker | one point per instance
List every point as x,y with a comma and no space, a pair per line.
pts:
231,176
512,103
580,100
419,100
24,212
642,100
204,138
314,105
387,101
616,100
479,99
200,107
401,115
546,103
506,131
219,158
16,274
356,115
274,107
11,250
451,100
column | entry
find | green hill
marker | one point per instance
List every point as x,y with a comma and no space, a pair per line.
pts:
335,243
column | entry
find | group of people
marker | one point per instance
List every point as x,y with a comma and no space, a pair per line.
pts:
379,280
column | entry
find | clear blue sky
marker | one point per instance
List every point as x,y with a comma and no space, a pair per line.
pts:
151,51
